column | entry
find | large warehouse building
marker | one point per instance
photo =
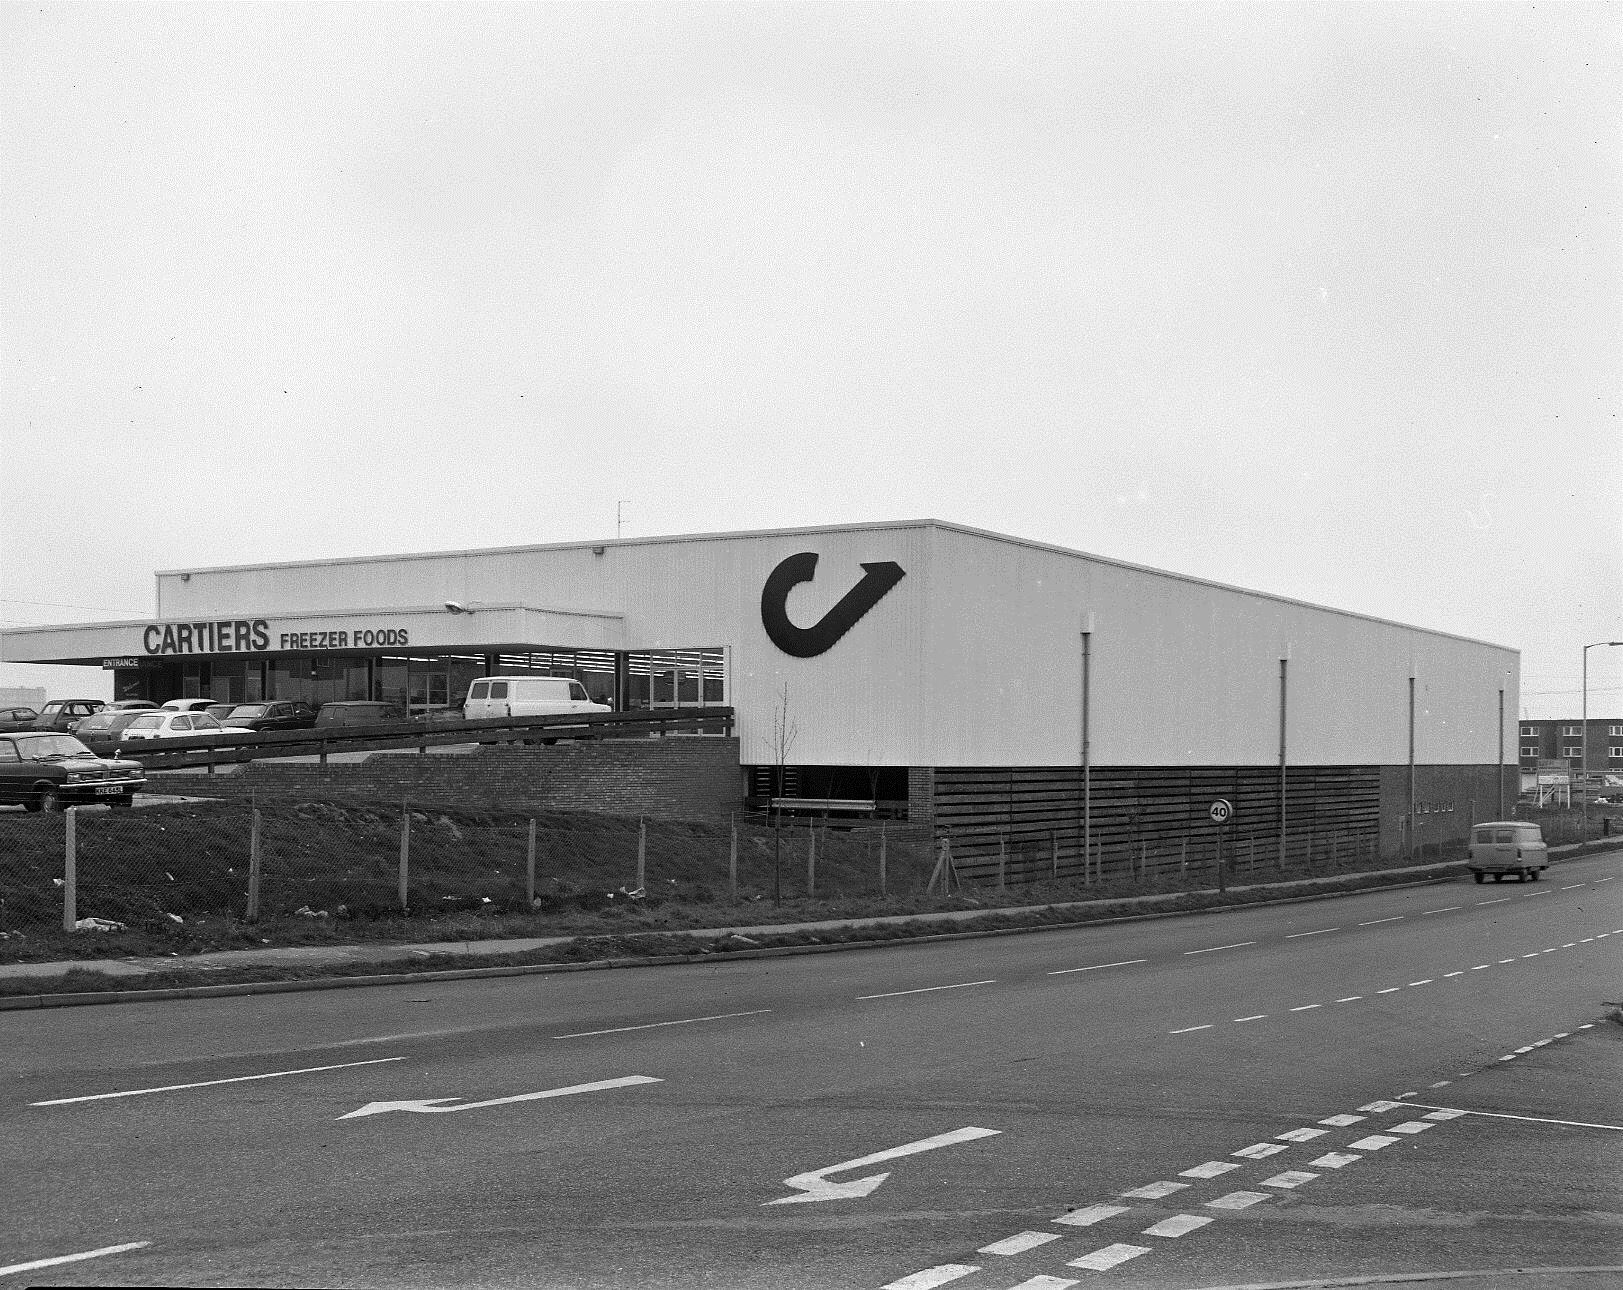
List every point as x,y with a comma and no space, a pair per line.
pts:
984,684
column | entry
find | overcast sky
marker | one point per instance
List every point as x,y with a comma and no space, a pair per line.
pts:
1319,300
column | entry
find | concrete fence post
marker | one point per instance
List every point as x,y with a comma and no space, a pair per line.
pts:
1183,859
405,854
882,877
811,858
1053,854
1002,860
732,863
642,854
70,870
529,869
253,865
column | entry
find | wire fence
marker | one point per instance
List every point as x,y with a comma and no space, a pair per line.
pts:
208,874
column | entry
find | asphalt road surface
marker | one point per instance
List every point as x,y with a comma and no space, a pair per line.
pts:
1414,1081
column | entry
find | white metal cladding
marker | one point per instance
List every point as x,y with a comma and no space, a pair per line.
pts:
1183,672
860,702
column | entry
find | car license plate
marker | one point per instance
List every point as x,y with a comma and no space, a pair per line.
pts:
110,790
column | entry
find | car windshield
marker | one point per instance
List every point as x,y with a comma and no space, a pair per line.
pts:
52,748
248,710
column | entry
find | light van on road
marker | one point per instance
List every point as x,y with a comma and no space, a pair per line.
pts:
1503,847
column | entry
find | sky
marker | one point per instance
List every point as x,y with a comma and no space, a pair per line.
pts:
1320,300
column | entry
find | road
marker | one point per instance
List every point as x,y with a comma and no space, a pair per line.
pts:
1234,1098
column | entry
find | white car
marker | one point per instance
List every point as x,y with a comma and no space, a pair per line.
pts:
175,725
186,705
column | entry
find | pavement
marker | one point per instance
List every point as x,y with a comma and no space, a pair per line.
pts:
393,951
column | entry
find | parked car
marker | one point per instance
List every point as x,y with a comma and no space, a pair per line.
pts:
132,705
173,725
357,712
191,705
277,714
64,714
46,771
220,711
1503,847
103,731
17,718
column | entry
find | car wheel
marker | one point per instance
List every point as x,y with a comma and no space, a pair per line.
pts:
49,801
1521,875
1499,877
1533,873
1479,876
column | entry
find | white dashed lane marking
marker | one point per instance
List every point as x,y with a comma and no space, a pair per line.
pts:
1301,1135
1307,1007
1213,949
1109,1257
1260,1150
1238,1200
927,989
1335,1160
1374,1142
1209,1170
1502,900
1374,922
1046,1283
1019,1243
1178,1225
931,1277
1097,967
1154,1190
1321,931
72,1258
1446,909
1091,1215
1290,1178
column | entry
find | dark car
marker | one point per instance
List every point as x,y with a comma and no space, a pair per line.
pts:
17,718
64,714
358,712
130,705
276,714
46,771
103,731
220,711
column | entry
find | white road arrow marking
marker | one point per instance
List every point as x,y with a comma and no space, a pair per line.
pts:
815,1185
432,1105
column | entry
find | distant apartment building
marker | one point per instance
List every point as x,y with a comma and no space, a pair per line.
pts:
1563,740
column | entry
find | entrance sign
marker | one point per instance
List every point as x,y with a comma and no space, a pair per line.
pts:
1221,810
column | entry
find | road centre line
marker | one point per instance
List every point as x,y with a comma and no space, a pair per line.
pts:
896,994
1575,886
1446,909
655,1025
1213,949
1189,1030
72,1258
1095,967
1321,931
1372,922
1532,1119
208,1083
1502,900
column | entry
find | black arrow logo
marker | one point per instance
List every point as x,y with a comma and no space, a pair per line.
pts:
808,642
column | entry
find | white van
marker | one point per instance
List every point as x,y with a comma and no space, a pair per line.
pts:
526,696
1503,847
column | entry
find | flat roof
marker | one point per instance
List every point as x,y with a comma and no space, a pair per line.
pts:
874,526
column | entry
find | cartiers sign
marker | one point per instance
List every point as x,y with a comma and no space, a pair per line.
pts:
253,636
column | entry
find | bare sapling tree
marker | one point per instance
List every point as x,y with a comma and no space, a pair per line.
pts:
784,730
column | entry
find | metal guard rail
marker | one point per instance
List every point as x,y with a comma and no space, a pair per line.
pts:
178,754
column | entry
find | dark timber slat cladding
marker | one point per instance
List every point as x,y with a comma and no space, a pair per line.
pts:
1151,818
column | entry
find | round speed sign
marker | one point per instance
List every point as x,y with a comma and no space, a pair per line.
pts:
1221,810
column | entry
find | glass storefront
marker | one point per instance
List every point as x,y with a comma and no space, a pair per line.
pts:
426,683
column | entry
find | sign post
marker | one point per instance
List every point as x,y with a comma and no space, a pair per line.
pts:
1222,811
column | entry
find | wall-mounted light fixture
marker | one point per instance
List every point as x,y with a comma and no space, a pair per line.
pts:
455,608
598,550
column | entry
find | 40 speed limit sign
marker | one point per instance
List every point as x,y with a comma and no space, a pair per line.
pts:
1221,810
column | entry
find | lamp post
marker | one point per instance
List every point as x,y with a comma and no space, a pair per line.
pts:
1583,727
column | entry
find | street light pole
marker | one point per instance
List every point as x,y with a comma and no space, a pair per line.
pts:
1583,750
